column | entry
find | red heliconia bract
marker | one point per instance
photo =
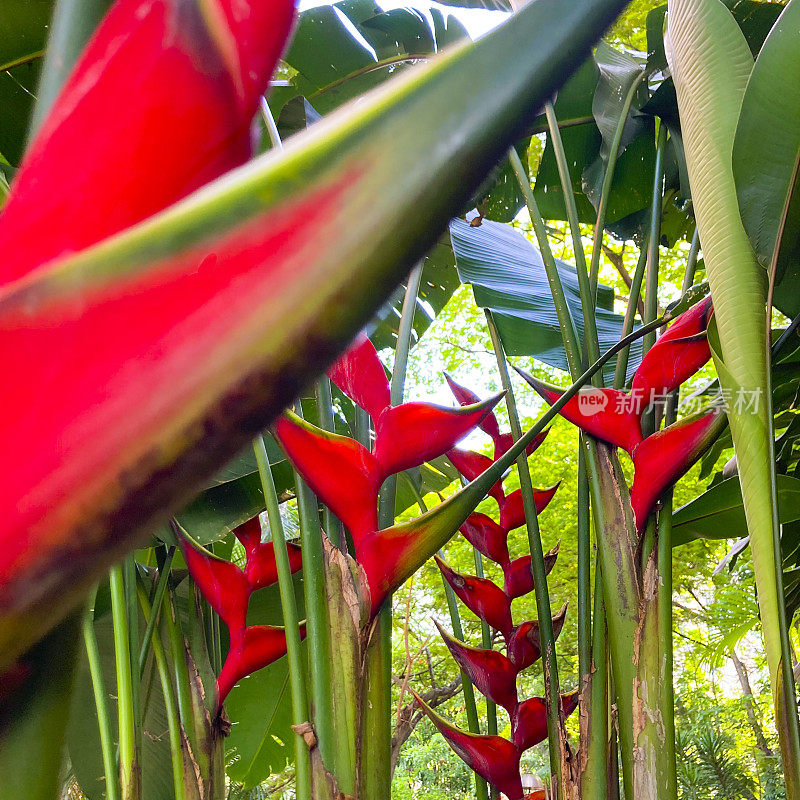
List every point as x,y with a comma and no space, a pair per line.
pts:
512,510
258,647
529,723
676,355
466,397
471,464
486,536
361,376
223,585
518,577
181,82
524,646
480,596
337,468
228,589
663,457
413,433
495,759
489,670
606,414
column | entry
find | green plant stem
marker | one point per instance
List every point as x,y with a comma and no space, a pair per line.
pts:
170,706
470,704
330,524
130,571
630,315
691,261
180,671
608,180
591,342
158,597
376,725
294,652
584,570
128,765
318,624
486,643
654,238
100,700
555,719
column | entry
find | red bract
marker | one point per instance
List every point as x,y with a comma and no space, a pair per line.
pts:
227,590
340,470
518,578
486,536
153,107
529,724
480,596
361,376
412,433
258,646
495,759
606,414
676,356
490,671
524,646
512,511
663,457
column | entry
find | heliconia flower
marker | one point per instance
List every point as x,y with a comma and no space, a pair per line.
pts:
359,373
471,464
495,759
665,456
227,590
413,433
606,414
529,722
676,355
502,441
486,536
492,673
524,646
482,597
257,647
518,578
342,472
223,585
512,511
153,107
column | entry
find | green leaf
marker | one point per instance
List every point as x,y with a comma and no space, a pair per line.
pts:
318,216
718,513
766,157
507,275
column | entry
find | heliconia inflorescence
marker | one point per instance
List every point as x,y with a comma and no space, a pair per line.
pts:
493,673
347,476
615,417
228,589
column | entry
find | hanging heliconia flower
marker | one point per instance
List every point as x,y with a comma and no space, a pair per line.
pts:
347,476
493,673
227,590
614,417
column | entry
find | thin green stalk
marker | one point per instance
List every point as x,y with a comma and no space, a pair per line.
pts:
130,572
129,768
584,570
591,342
376,718
294,653
331,525
170,707
608,180
654,237
691,261
100,700
158,596
630,315
555,722
486,643
318,626
184,690
470,705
